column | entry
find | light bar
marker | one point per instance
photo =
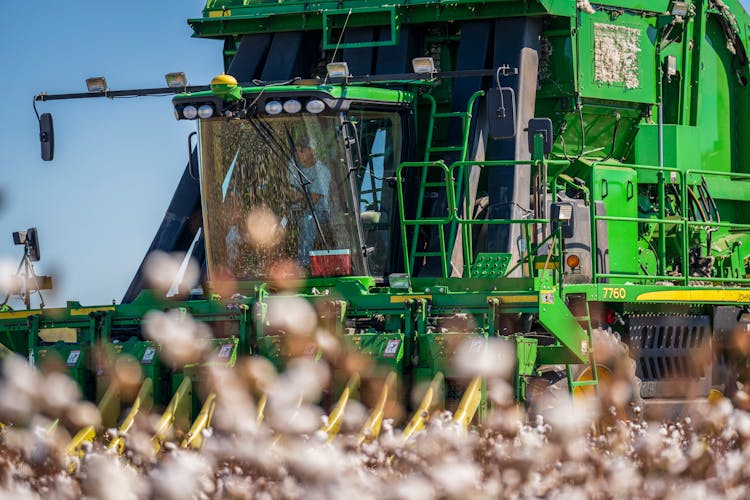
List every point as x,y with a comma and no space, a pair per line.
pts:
315,106
292,106
190,112
96,84
206,111
273,107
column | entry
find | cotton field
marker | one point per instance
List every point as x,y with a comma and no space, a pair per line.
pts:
574,450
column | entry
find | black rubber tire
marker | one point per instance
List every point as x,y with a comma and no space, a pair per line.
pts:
551,390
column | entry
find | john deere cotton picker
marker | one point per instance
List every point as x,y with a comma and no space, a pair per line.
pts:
556,176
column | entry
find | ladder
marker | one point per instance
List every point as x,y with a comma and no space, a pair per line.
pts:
431,150
594,381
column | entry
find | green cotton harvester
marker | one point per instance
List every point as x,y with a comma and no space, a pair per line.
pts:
552,188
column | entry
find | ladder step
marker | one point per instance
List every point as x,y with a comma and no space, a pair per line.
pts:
428,254
433,184
441,149
583,318
585,383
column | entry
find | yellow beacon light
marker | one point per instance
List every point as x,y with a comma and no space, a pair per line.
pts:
225,86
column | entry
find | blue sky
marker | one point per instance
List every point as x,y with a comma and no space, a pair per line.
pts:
117,163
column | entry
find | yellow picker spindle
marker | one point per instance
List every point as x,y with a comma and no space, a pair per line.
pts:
194,437
418,421
178,410
336,417
143,402
371,430
469,403
108,408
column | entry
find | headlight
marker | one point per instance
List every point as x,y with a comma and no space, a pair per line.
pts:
273,107
292,106
315,106
206,111
189,112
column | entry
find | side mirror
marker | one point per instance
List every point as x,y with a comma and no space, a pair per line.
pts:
543,127
32,241
501,113
47,136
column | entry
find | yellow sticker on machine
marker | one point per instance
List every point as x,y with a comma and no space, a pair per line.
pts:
403,298
85,311
19,314
516,299
736,296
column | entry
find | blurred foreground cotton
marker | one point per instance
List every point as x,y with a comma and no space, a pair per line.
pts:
578,449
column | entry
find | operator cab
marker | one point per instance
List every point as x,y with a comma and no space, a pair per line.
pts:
302,175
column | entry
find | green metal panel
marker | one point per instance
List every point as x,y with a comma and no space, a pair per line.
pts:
436,351
385,349
371,15
147,355
618,189
571,339
616,57
680,145
75,359
237,17
568,7
656,6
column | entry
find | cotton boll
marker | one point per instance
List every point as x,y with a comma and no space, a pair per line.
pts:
181,475
182,339
291,315
109,478
60,392
491,359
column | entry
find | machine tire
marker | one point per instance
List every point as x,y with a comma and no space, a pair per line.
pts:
550,391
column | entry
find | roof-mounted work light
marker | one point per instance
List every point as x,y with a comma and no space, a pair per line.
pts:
337,70
680,9
423,65
96,84
176,80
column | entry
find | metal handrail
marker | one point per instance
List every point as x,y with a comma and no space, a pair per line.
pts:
431,221
464,221
683,222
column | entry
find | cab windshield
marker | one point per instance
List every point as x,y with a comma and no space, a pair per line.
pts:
290,176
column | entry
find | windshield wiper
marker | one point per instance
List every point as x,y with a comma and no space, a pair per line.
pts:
305,182
270,140
277,148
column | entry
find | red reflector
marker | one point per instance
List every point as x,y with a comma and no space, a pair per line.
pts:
610,317
330,262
